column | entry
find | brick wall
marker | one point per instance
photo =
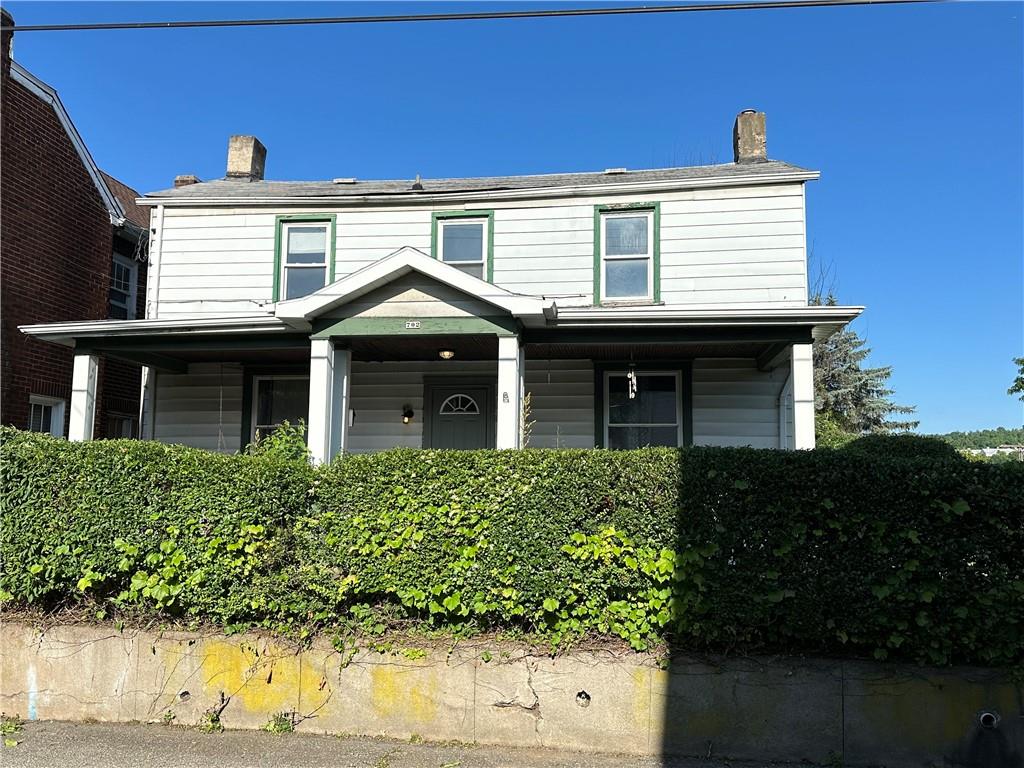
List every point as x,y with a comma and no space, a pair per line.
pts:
56,245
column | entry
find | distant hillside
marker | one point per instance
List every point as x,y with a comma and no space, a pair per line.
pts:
984,438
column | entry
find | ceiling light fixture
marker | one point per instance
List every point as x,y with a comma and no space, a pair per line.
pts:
446,354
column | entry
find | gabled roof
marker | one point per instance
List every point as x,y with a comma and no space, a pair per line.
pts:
354,190
299,312
49,95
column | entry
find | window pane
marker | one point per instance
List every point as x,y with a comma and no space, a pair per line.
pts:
621,438
307,245
626,235
655,401
302,281
626,278
463,242
279,400
118,312
476,270
35,419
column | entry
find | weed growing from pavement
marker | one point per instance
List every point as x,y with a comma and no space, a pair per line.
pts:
10,725
210,722
282,722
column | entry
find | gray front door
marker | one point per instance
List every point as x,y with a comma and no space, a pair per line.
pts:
459,416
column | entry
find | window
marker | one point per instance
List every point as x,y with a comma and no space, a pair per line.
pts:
463,240
305,258
46,414
121,426
627,254
459,405
123,287
277,399
651,417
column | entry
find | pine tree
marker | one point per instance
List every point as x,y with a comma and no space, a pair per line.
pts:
857,398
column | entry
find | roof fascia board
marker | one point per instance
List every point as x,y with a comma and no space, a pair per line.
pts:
66,333
581,190
49,95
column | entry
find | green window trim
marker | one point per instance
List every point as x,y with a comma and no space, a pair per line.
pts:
685,369
478,214
313,218
654,207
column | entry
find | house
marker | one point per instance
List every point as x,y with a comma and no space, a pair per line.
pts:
649,307
72,248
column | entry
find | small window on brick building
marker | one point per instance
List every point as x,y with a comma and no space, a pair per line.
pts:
46,414
122,426
124,281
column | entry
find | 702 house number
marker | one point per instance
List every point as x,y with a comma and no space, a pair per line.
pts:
412,325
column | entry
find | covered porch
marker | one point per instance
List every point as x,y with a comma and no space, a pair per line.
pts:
413,353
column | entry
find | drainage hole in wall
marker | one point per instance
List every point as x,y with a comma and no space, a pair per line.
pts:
988,719
184,696
583,699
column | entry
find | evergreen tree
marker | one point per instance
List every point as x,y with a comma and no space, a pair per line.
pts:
855,397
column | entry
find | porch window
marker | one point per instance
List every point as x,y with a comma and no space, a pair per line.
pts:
46,414
304,267
463,240
122,426
627,255
277,399
651,417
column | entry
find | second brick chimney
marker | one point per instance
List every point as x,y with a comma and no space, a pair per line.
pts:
246,158
749,140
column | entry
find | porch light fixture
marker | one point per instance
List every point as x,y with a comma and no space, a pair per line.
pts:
407,414
446,354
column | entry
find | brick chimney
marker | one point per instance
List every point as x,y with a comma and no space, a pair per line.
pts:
185,180
6,38
246,158
749,141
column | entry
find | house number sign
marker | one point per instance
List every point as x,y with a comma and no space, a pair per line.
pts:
412,325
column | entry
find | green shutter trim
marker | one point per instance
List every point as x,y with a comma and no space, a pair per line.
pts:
323,218
428,326
479,214
655,253
685,368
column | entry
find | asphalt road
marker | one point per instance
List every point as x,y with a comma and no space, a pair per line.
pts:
99,745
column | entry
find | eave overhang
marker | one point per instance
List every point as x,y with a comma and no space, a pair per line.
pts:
69,334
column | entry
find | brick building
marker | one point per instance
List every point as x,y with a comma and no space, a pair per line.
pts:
73,246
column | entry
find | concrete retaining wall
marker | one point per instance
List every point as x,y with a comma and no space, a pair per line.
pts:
765,709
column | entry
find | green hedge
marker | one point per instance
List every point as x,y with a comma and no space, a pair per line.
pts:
824,551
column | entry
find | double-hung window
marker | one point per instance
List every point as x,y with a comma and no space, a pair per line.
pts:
277,399
643,408
627,255
305,251
124,276
463,241
46,414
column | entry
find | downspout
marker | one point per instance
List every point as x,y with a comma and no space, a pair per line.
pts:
784,397
147,400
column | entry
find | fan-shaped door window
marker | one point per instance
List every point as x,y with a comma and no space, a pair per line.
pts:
459,405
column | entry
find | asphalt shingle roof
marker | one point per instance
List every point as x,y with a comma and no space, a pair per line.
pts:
227,188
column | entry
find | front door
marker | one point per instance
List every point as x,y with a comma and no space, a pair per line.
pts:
459,416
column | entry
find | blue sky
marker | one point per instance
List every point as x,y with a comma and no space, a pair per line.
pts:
913,114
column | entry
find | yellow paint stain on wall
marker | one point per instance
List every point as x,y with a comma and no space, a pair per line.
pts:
264,679
641,696
404,693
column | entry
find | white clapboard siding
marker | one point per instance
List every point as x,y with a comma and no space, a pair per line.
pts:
735,404
201,408
221,261
561,403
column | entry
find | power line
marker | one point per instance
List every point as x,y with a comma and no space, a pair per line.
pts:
476,16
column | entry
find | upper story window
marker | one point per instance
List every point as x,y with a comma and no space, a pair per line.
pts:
305,259
626,255
463,240
124,281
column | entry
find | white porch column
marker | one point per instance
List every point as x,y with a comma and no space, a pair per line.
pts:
327,426
802,379
83,397
510,392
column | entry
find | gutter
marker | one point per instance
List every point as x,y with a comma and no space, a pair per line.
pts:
413,198
66,333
